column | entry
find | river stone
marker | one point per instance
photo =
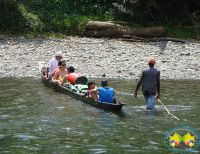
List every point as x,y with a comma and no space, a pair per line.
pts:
96,56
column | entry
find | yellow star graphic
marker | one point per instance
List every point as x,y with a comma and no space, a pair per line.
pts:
188,139
175,139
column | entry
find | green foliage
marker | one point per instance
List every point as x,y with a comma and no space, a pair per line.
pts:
70,16
62,16
157,11
33,22
181,32
10,17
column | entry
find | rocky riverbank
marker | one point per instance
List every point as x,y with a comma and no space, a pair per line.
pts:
95,57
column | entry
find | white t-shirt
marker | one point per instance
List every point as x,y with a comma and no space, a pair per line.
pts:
53,63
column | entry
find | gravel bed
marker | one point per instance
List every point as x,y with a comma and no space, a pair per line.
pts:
96,57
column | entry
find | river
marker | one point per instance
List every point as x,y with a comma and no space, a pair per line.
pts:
36,119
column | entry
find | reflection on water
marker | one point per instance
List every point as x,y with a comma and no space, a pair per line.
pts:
36,119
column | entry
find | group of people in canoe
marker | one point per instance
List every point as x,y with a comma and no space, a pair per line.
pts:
150,81
60,74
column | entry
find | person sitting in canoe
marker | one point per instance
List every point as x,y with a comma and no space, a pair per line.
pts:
106,94
56,69
75,81
53,63
70,70
71,75
91,91
60,73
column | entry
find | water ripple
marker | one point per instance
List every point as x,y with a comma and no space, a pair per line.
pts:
98,150
26,137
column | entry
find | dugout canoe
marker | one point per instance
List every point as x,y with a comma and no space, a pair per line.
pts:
64,90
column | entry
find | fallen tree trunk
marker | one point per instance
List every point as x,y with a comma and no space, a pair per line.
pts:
108,29
98,25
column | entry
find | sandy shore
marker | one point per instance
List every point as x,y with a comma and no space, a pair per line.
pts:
95,57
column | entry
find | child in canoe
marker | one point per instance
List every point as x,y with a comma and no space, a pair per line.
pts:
91,92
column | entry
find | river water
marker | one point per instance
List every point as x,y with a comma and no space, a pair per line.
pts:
36,119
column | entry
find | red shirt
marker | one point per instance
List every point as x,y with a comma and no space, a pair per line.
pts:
54,72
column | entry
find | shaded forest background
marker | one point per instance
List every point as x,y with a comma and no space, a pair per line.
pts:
181,18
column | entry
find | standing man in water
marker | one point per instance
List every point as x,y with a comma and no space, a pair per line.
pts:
150,81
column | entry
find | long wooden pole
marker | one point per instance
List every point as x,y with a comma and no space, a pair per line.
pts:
167,109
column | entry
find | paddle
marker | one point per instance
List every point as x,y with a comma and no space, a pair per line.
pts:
167,109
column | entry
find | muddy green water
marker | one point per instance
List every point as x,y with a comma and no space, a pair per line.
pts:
36,119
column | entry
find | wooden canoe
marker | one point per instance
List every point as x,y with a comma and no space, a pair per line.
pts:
101,105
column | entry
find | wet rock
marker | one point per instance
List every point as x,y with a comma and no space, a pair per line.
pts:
103,75
131,73
184,54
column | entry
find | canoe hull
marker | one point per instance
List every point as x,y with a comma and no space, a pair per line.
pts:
61,89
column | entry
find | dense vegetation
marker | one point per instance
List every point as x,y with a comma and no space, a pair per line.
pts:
181,18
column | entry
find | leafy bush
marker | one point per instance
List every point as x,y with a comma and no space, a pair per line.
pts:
32,21
10,17
70,16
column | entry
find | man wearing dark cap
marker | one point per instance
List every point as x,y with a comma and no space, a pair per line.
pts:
71,76
70,69
150,81
106,94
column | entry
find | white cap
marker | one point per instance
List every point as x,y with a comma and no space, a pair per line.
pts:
59,53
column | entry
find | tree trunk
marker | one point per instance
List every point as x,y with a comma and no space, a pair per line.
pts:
98,25
108,29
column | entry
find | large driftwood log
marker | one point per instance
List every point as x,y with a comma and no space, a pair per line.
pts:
108,29
98,25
